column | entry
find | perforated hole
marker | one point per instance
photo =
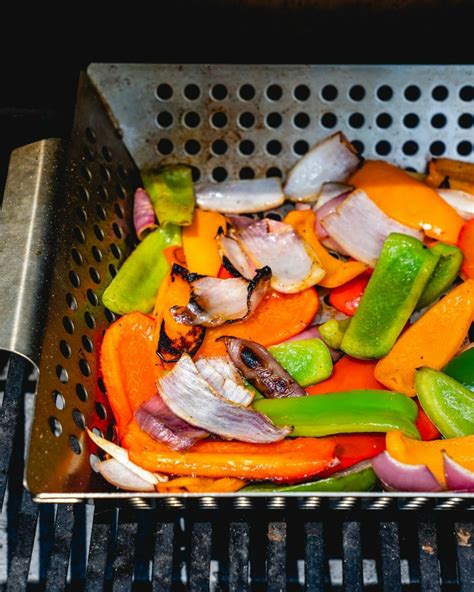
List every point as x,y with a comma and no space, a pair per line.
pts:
99,233
120,190
117,230
71,301
437,148
329,92
84,368
246,120
89,153
101,213
86,173
68,325
65,348
359,146
357,92
87,344
110,316
96,253
246,173
274,120
274,172
301,120
58,400
76,256
384,92
192,147
90,135
383,148
62,374
412,93
164,91
466,120
464,148
101,411
356,120
274,147
466,93
246,92
89,319
302,92
219,174
74,444
74,279
410,148
165,146
83,193
219,92
300,147
78,234
116,252
438,120
81,392
246,147
196,174
219,147
119,210
192,92
101,385
328,120
81,214
274,92
94,461
384,120
102,192
219,120
78,419
411,120
440,93
107,153
112,270
164,119
55,426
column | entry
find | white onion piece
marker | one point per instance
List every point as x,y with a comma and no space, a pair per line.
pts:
333,159
120,476
361,227
327,208
193,399
398,476
222,376
230,249
330,191
275,244
461,201
239,197
121,455
458,478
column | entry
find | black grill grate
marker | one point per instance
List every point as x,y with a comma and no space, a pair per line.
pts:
117,548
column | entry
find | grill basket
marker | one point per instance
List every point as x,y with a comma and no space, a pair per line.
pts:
67,213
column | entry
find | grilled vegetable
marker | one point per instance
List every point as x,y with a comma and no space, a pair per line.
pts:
333,332
308,361
172,195
461,368
446,271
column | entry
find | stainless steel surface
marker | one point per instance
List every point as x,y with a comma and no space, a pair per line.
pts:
234,124
27,231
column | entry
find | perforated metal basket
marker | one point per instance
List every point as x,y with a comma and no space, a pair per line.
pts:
66,220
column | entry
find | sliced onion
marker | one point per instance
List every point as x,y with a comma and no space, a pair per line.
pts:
119,476
222,376
156,419
121,455
231,252
458,478
331,190
294,264
301,206
333,159
398,476
361,227
191,397
241,197
143,214
328,208
215,301
259,367
461,201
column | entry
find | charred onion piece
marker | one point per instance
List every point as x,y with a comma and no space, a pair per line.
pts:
224,378
260,368
192,398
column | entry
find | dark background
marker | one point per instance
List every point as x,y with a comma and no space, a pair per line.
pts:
42,54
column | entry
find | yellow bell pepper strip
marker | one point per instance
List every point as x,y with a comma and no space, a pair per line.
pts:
308,361
448,404
333,331
402,271
290,460
199,244
136,285
432,341
337,272
446,271
415,452
172,194
466,244
408,201
343,413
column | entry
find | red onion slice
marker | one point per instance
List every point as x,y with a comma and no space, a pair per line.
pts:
259,367
333,159
119,476
215,301
293,263
158,421
143,214
223,378
458,478
361,227
398,476
461,201
241,197
191,397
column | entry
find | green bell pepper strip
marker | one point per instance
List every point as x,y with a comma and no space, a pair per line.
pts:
446,271
400,276
361,477
308,361
461,368
333,331
343,412
172,194
448,404
136,285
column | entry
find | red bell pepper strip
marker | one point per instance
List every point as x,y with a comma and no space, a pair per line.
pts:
346,298
466,244
428,431
354,448
348,374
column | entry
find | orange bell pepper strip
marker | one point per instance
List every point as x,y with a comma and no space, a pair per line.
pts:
417,452
348,374
466,244
346,298
290,460
174,255
428,430
432,341
130,366
277,318
354,448
201,485
337,272
199,242
407,200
